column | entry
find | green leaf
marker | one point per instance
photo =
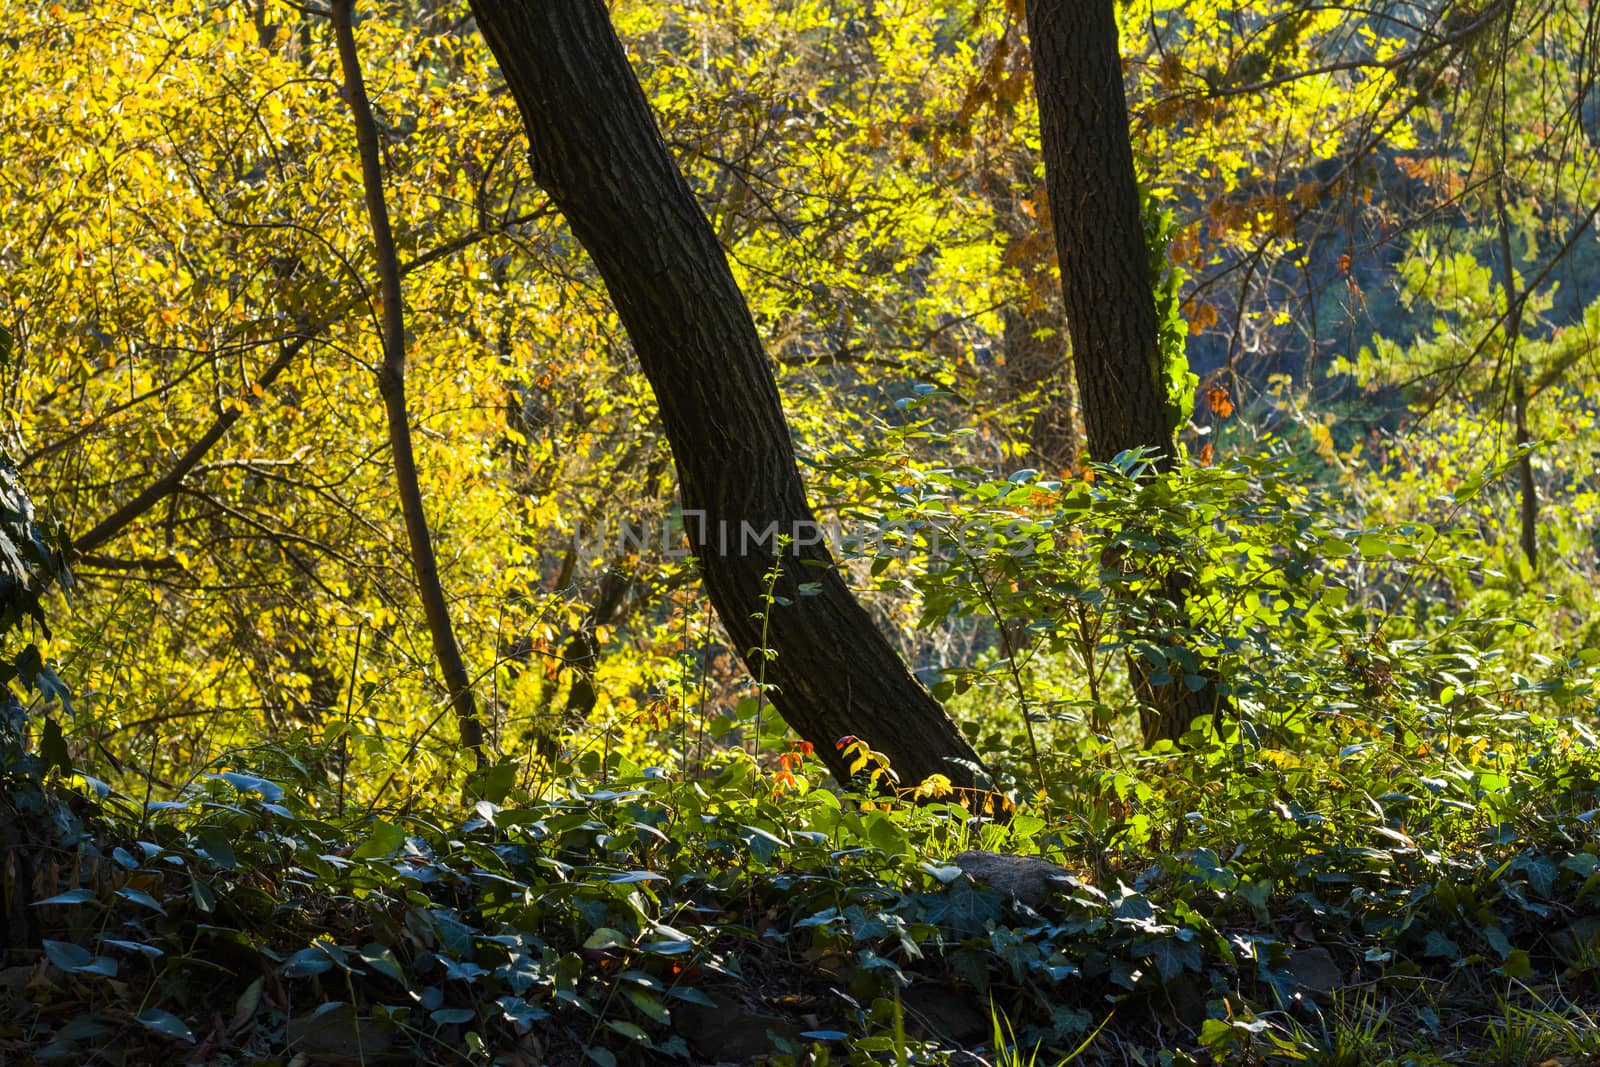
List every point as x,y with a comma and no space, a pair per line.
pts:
134,946
1497,940
763,845
944,872
53,746
627,1029
1216,1034
606,937
385,838
1171,955
650,1005
1517,964
249,783
1440,947
75,959
244,1009
217,848
71,896
666,948
1583,864
307,963
520,1013
381,960
166,1024
882,832
204,897
143,899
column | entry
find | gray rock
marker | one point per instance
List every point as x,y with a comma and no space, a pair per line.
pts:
732,1031
1315,970
338,1034
958,1015
1028,879
1579,943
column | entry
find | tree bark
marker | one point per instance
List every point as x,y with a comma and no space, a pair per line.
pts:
392,387
597,151
1099,229
1105,282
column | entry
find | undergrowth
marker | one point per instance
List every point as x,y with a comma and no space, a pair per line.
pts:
1382,850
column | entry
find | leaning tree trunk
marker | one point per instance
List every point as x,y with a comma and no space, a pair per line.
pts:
597,151
1105,277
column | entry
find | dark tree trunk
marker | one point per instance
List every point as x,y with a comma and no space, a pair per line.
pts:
1105,279
392,387
1099,230
1528,492
597,151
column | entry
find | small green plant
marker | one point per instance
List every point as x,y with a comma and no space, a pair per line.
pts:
770,600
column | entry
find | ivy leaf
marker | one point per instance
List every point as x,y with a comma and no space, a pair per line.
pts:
134,946
1440,947
75,959
1172,955
166,1024
143,899
306,963
71,896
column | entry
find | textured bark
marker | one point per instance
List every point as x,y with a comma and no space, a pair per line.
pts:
598,153
1099,231
1105,279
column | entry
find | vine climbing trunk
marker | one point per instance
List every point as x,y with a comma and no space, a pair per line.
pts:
392,387
1106,286
597,151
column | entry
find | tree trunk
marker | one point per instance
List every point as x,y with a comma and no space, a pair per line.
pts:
392,387
1099,229
1105,279
598,153
1528,493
